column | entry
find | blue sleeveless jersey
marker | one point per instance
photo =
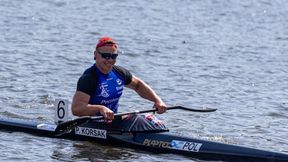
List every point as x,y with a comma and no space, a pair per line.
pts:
109,90
104,89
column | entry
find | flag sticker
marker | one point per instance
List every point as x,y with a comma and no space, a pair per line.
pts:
185,145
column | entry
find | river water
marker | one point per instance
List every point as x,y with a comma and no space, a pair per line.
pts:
224,54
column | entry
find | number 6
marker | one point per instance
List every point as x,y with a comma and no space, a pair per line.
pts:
61,111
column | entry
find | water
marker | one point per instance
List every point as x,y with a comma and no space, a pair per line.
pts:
229,55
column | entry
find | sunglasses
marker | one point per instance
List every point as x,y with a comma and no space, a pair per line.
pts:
107,56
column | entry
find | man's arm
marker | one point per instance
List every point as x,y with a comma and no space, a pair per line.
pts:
148,93
80,106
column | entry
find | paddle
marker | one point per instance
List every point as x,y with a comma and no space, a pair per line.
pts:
68,126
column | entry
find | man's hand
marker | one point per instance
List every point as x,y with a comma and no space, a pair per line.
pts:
106,112
160,106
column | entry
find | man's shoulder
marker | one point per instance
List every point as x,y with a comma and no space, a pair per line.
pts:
90,71
87,82
89,75
124,73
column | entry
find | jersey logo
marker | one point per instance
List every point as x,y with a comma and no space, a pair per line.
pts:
104,90
119,81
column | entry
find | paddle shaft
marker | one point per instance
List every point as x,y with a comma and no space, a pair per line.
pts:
68,126
151,110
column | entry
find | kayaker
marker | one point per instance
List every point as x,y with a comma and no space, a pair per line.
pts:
100,87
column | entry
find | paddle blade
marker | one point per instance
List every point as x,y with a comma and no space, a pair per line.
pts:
68,126
204,109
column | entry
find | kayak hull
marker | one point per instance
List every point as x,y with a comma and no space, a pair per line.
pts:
162,142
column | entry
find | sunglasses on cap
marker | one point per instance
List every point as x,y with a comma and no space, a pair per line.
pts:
107,56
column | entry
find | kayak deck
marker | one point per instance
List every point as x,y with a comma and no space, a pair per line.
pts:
157,142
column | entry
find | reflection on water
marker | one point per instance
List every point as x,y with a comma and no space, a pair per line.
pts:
88,151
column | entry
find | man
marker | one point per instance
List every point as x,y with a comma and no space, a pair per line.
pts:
100,87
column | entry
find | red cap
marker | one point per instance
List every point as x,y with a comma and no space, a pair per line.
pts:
106,41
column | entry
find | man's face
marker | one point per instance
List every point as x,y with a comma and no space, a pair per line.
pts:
105,58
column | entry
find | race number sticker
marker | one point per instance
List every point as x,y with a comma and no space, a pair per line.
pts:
185,145
61,111
98,133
